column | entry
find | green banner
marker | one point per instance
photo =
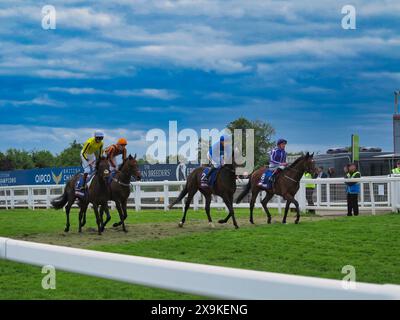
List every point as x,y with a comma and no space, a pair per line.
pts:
355,147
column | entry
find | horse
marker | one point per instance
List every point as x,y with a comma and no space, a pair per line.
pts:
225,187
97,195
286,184
120,188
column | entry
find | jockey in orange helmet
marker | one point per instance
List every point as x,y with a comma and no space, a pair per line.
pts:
115,150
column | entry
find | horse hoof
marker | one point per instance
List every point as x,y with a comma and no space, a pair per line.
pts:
251,221
221,221
236,227
212,225
269,221
66,230
180,224
284,222
115,225
296,222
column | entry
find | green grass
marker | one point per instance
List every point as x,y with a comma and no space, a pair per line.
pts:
315,247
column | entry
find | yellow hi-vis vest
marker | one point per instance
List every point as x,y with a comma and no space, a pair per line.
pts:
396,171
308,175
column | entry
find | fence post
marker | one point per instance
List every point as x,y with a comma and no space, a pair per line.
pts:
166,195
137,198
12,195
362,195
30,202
328,194
371,192
47,197
302,196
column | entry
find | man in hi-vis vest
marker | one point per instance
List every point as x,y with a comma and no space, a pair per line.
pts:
353,190
397,169
309,190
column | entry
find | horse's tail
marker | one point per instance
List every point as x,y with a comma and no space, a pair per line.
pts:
61,201
245,191
180,197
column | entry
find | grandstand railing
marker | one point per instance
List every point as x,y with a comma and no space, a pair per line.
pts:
377,194
192,278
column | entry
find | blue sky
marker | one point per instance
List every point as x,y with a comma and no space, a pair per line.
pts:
130,66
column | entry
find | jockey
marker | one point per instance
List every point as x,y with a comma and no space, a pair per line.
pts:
216,155
277,162
278,156
115,150
88,154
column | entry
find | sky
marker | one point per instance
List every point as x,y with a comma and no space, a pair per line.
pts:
129,66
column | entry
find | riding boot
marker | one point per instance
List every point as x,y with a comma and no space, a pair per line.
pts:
84,181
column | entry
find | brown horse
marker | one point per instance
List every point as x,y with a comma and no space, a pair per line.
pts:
225,187
98,194
286,184
120,189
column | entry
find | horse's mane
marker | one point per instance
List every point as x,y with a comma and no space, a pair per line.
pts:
295,162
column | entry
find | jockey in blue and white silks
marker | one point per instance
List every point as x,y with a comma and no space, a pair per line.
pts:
278,155
220,153
277,162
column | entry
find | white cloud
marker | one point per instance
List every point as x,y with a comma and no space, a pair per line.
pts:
58,138
39,101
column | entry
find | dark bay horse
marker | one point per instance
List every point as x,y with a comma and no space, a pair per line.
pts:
98,195
225,187
287,184
120,189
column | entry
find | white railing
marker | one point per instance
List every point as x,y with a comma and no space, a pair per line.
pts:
377,193
198,279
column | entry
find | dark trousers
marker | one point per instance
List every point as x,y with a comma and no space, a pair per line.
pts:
309,198
352,204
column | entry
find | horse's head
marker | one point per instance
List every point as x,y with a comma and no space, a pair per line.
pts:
132,167
308,162
103,168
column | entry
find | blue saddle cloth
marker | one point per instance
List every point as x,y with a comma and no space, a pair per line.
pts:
212,178
265,180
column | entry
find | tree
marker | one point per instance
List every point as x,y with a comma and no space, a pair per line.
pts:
263,132
5,163
43,159
70,157
19,159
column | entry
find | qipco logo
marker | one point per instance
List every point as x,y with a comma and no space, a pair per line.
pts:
42,178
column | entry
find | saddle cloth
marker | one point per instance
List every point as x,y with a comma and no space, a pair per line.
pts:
265,181
211,180
78,185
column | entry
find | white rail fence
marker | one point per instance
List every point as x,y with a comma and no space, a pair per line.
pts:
198,279
377,193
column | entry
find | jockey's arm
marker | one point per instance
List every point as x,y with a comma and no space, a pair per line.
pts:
84,150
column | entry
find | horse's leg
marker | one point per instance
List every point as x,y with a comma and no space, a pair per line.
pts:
207,196
84,218
67,210
264,203
121,214
287,206
254,195
82,211
107,211
125,215
98,218
294,201
187,205
229,203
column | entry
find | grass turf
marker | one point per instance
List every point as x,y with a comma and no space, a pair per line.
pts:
316,247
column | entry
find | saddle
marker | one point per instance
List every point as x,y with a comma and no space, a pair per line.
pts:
212,179
78,185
